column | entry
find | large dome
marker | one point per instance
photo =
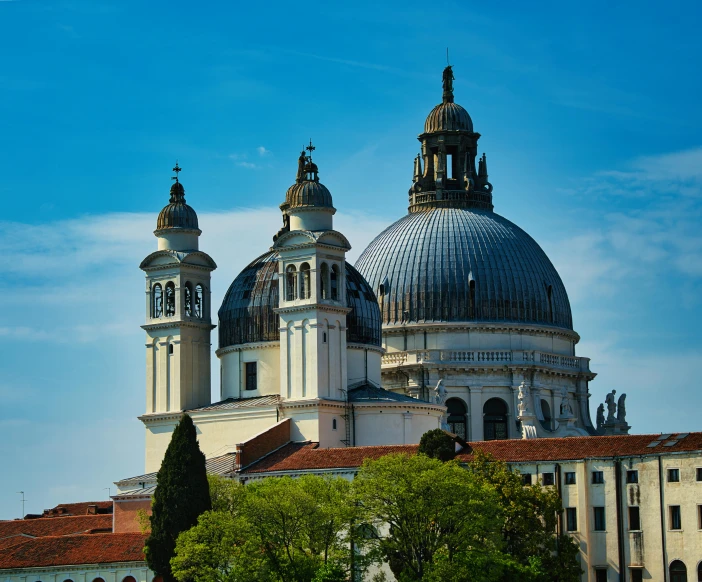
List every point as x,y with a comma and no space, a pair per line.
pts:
463,265
247,315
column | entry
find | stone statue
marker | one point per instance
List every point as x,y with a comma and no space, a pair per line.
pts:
523,397
566,410
301,161
611,406
448,79
600,416
621,409
440,393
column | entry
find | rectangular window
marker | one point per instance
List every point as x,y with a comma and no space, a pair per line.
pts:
597,477
632,477
699,473
251,376
570,478
675,522
699,517
571,519
548,478
526,478
636,575
599,513
600,574
634,519
673,475
449,166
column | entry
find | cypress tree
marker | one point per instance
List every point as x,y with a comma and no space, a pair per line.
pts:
182,494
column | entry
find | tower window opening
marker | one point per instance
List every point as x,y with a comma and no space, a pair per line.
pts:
291,283
324,337
324,281
170,299
199,301
449,166
333,423
305,281
251,376
334,283
157,300
188,299
170,349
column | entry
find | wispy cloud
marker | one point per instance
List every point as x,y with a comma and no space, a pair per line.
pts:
263,152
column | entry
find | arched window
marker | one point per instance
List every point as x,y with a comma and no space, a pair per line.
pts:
157,299
333,423
188,299
699,572
324,281
547,422
304,281
129,579
98,579
456,416
495,420
170,299
291,283
334,286
678,571
199,301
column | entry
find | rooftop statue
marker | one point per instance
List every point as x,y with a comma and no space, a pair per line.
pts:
611,406
600,416
448,84
621,409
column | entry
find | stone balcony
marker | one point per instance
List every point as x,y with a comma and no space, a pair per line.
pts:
488,359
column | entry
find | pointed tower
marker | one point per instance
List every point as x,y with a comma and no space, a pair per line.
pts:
178,322
312,298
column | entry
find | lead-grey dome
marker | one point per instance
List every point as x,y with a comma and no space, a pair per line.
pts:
308,193
463,265
448,117
247,315
177,214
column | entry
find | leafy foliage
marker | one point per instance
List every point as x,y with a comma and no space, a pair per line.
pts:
437,444
530,514
182,494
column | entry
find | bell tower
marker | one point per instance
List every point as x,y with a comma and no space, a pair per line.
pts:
178,307
312,297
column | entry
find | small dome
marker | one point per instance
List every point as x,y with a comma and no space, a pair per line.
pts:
177,214
308,193
448,117
247,314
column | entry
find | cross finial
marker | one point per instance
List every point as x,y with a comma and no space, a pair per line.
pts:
310,148
177,169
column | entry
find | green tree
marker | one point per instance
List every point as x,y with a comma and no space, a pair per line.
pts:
426,514
530,515
182,494
437,444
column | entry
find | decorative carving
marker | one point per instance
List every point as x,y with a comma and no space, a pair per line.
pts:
566,410
523,397
600,416
621,409
440,395
611,407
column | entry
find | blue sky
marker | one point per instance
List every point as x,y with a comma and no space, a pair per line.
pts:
590,119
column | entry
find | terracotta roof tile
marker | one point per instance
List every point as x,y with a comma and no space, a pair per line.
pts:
307,456
74,550
65,509
55,526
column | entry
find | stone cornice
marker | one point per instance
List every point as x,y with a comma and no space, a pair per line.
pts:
178,323
249,346
448,327
154,417
372,348
177,230
314,306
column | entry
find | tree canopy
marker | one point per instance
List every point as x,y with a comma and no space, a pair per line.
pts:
182,494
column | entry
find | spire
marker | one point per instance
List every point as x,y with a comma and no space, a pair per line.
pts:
417,168
482,168
448,84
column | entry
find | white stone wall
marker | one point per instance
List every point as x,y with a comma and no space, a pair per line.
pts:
108,572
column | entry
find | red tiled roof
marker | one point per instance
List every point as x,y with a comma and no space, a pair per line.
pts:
74,550
66,509
300,456
307,456
55,526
